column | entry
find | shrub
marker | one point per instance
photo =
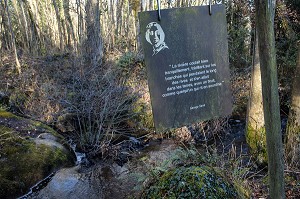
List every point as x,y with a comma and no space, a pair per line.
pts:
101,105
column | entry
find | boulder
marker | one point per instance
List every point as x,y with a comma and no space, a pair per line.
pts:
191,182
29,151
69,183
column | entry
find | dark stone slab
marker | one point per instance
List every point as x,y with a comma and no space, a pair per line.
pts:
186,55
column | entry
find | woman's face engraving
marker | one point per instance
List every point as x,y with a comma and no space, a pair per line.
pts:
154,35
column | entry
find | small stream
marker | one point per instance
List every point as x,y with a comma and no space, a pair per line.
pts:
80,157
38,186
68,182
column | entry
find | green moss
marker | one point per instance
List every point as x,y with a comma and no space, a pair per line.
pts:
40,125
256,139
23,163
144,118
191,182
33,124
5,114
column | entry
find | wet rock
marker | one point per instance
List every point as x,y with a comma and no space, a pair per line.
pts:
69,183
50,143
47,136
108,179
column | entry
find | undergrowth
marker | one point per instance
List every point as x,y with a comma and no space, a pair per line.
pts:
230,169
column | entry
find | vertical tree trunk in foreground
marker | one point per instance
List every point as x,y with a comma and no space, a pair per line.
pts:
255,127
266,41
293,129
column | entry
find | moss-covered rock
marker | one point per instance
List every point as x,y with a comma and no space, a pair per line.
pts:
25,159
191,182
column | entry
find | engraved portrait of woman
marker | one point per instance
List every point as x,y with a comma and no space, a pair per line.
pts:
156,36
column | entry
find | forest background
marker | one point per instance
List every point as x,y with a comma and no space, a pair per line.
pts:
78,65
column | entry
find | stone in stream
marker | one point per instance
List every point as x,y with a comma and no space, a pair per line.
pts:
69,183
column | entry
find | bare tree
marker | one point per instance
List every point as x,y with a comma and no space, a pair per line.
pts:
266,41
4,27
13,41
25,26
69,24
59,25
33,27
93,43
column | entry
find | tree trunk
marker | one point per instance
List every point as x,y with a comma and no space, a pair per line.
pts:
151,5
255,131
35,34
5,27
59,25
17,13
1,36
119,18
113,22
143,5
265,30
69,24
63,24
93,44
13,41
293,128
80,27
25,25
34,20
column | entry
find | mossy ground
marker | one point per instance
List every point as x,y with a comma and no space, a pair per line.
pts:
6,114
21,124
256,139
191,182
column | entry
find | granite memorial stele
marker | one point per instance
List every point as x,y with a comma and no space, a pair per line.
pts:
186,55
